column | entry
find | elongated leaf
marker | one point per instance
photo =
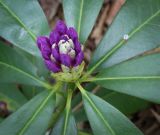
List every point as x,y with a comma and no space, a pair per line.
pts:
83,133
81,14
32,118
80,115
77,98
142,28
105,119
42,71
1,119
31,91
14,68
71,128
22,21
66,124
139,77
125,103
12,96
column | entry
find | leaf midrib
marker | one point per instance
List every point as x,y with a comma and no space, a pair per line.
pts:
42,105
99,113
66,122
67,111
22,72
84,93
123,78
33,36
80,16
119,45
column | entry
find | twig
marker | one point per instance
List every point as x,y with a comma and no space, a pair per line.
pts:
156,115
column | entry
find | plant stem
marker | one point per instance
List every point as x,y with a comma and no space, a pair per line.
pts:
64,105
56,115
94,107
78,106
68,108
80,87
69,97
59,110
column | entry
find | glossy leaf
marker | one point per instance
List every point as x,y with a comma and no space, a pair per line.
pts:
32,118
77,98
31,91
12,96
81,14
124,103
139,77
105,119
41,69
71,128
142,28
22,21
1,119
14,68
66,124
80,115
83,133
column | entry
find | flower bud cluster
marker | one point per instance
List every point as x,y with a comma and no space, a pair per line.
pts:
61,51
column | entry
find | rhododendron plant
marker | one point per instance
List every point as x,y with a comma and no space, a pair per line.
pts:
47,87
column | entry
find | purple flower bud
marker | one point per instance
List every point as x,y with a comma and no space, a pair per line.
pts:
61,27
46,54
54,67
64,37
79,58
54,37
72,33
56,54
62,49
66,60
77,46
44,46
42,41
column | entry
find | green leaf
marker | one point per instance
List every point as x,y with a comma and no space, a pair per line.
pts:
71,128
80,115
83,133
125,103
41,67
66,124
138,77
81,14
22,22
1,119
105,119
78,108
12,96
31,91
42,71
142,27
14,68
32,118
